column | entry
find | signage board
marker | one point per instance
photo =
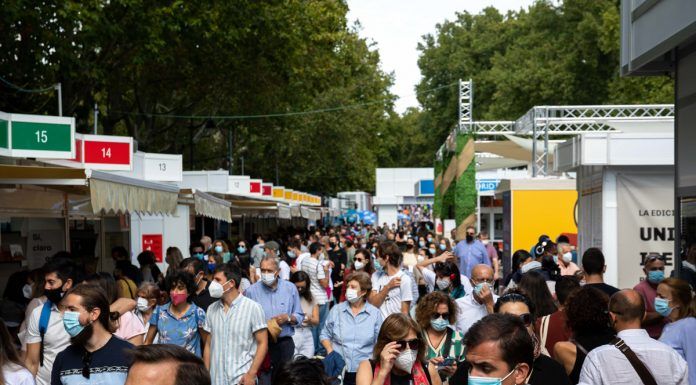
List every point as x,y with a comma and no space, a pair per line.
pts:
485,185
288,194
279,192
37,136
238,184
161,167
255,186
101,152
153,242
267,189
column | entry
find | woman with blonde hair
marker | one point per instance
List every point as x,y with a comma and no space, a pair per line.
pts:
676,302
399,356
173,258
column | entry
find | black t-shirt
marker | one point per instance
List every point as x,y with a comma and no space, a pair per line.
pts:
338,257
544,371
203,299
603,287
108,365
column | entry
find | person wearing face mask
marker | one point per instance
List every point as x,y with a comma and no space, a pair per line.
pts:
675,301
148,297
352,326
392,290
435,314
238,341
471,252
95,355
220,249
281,306
45,339
319,280
398,357
179,321
492,253
303,339
409,254
564,259
608,365
544,369
361,262
443,281
499,351
33,291
481,301
443,246
198,269
339,258
296,255
242,248
654,269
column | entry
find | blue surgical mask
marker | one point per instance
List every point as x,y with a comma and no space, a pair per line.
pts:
662,307
378,267
199,256
443,247
241,249
432,251
473,380
291,254
439,324
555,259
656,276
71,323
421,243
211,267
218,249
373,250
478,288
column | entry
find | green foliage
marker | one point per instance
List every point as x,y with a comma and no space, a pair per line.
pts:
135,58
548,54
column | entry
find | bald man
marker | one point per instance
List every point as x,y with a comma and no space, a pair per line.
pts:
608,365
480,303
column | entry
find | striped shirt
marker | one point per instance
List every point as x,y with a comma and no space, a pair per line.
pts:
316,272
232,345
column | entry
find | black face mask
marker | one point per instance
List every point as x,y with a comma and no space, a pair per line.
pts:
469,238
54,295
332,245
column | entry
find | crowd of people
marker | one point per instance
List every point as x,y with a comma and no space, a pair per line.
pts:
352,305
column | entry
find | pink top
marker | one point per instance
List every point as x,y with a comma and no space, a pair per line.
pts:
648,292
569,269
129,326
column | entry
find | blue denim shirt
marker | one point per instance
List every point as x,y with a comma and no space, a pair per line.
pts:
284,299
353,337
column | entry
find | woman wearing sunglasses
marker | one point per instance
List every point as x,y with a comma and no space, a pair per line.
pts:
436,314
544,370
398,357
361,262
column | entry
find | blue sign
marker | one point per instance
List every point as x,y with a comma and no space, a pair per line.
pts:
426,187
484,185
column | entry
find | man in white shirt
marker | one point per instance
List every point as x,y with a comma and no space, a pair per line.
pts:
391,287
59,278
608,365
472,307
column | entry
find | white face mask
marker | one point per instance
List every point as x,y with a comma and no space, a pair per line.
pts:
442,284
567,257
142,304
359,265
406,359
420,258
352,295
485,242
26,291
268,279
216,289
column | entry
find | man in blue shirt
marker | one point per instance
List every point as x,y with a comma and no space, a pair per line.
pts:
471,252
281,303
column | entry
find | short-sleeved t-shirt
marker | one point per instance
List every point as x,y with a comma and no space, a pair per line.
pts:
17,375
55,340
129,326
183,331
108,365
397,295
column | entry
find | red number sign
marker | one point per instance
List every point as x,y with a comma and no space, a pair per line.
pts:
107,152
267,190
255,187
153,242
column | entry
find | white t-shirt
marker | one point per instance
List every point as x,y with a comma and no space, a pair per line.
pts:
284,270
56,340
469,312
397,295
16,375
300,258
316,272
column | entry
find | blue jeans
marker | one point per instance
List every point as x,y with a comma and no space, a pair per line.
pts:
323,313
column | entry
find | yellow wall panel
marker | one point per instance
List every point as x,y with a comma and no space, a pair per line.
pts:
537,212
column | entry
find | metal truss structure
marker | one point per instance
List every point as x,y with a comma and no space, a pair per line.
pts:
540,122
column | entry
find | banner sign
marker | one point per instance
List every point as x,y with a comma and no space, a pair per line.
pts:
645,223
153,242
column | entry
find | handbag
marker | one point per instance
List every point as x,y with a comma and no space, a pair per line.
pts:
637,364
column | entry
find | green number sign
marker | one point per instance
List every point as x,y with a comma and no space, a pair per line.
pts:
36,136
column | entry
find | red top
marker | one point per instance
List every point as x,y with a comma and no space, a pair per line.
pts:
649,292
558,330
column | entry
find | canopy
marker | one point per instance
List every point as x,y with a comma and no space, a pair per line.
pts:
208,205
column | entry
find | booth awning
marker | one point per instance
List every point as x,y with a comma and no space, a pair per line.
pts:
207,204
119,194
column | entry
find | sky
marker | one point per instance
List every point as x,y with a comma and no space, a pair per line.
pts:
396,26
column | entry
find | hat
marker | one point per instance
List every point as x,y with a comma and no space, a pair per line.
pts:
273,245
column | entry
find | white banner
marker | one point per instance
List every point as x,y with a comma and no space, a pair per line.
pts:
42,244
645,223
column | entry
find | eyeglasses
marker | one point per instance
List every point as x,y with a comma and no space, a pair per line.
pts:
86,362
526,319
412,344
654,257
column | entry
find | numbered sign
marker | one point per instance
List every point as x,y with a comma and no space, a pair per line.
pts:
161,167
255,186
37,136
153,242
101,152
267,189
238,184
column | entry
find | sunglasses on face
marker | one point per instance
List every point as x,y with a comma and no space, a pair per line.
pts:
359,260
412,344
443,315
653,257
526,319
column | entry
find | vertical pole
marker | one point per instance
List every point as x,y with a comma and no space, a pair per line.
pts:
59,88
96,116
534,148
191,145
229,149
242,159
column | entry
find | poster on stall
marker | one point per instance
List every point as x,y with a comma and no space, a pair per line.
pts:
153,242
645,223
42,244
